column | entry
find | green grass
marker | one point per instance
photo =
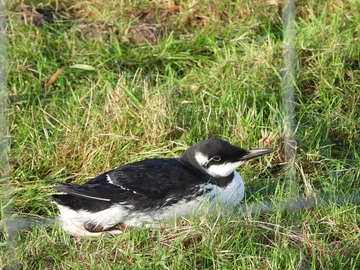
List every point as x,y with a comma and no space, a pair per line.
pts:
215,73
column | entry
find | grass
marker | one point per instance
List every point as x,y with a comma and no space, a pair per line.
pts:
210,69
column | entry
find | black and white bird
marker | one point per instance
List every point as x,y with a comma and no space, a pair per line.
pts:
152,190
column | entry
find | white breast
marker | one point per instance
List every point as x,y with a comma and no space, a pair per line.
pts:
233,193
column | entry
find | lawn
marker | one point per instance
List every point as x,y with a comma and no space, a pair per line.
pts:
93,85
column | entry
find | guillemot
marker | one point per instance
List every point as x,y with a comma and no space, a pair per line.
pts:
152,190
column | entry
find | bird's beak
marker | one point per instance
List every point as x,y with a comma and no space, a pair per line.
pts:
254,153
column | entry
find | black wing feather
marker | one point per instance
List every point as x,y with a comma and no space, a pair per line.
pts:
106,192
147,180
154,178
94,197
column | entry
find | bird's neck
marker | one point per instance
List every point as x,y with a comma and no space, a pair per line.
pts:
222,181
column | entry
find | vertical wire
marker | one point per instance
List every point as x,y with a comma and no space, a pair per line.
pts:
289,88
5,200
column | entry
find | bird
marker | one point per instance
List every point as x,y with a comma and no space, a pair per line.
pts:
153,190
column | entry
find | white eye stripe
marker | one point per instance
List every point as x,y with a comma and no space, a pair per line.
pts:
201,159
216,170
204,161
214,158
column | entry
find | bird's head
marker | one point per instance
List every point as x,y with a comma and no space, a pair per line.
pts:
219,158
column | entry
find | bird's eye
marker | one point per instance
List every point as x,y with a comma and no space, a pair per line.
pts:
214,158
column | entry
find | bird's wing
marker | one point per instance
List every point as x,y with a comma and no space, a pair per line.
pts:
153,178
101,192
147,179
94,197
